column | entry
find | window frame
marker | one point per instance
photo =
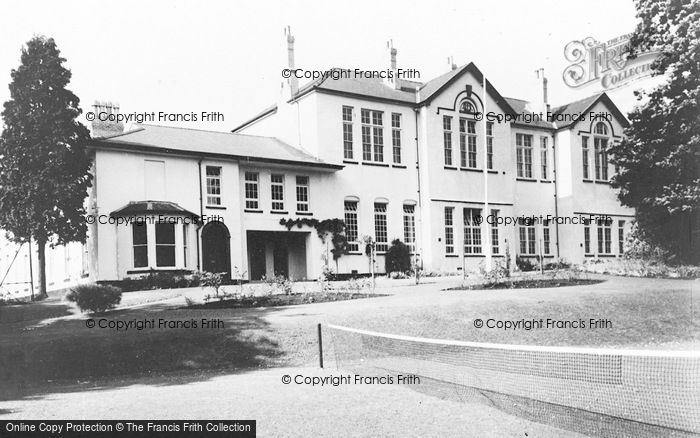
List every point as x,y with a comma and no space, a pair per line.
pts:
381,227
352,224
372,122
544,159
523,145
214,184
348,145
396,137
250,187
449,230
172,247
447,140
277,204
473,242
489,145
134,245
409,226
303,190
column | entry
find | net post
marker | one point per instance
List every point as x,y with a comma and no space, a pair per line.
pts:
320,346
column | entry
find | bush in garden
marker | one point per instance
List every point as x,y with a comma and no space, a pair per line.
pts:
95,298
398,257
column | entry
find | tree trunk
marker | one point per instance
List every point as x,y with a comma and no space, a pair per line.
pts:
41,257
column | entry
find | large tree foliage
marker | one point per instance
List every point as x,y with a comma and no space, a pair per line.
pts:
44,166
659,160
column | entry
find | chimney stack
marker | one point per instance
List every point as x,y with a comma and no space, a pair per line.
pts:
293,80
105,123
391,52
451,63
544,100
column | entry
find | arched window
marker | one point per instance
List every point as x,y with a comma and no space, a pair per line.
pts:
600,144
467,107
601,129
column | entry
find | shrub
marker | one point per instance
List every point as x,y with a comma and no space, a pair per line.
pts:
279,283
211,279
398,257
524,264
498,274
96,298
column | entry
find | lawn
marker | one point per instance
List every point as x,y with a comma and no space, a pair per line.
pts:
644,314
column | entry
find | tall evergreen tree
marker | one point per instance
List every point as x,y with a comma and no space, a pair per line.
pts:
659,160
44,165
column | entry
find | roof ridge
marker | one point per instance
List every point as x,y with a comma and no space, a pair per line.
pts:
202,130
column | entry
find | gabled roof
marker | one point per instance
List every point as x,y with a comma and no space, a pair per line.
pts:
364,87
585,105
417,94
521,106
151,207
193,142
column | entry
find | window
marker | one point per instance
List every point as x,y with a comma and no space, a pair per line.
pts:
447,138
600,145
621,236
251,191
277,191
409,227
587,239
494,232
302,193
372,135
584,157
472,231
165,244
543,158
449,230
185,232
604,237
396,136
601,129
601,158
213,185
351,229
140,243
546,239
527,239
380,231
523,145
467,107
462,143
347,132
489,145
467,143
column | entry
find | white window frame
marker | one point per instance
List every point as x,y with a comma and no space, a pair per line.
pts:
523,144
214,184
251,186
347,132
303,193
381,226
277,202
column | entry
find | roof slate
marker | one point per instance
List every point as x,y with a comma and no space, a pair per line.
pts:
198,142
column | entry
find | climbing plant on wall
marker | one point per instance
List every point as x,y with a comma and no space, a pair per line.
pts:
327,228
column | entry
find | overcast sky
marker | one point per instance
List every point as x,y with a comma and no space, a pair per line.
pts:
226,56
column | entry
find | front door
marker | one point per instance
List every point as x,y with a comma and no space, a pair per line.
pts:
216,251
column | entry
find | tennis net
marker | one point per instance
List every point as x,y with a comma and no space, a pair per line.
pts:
599,392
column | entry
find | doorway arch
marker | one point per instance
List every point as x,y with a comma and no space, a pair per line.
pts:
216,248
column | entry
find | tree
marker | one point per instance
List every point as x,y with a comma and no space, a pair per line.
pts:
659,160
44,165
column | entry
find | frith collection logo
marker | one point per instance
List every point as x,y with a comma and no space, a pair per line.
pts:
607,64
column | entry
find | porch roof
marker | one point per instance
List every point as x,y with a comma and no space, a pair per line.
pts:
151,207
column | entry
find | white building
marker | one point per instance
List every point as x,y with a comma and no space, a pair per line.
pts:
395,159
